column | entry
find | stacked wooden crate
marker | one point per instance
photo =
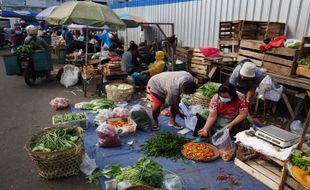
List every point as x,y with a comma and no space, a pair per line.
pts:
199,66
267,170
249,49
184,54
260,30
229,37
281,61
112,68
304,52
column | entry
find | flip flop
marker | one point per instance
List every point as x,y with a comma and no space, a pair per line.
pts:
155,128
177,126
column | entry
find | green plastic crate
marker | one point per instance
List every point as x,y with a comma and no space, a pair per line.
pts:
62,56
42,61
12,66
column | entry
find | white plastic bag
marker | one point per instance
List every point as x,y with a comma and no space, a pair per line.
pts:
172,182
120,112
292,43
88,165
190,115
297,127
269,90
103,115
70,76
223,142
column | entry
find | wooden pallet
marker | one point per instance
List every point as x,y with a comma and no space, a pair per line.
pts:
249,49
304,52
268,172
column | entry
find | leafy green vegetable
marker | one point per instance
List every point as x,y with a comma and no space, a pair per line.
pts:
58,119
55,140
165,144
301,160
24,49
145,171
209,89
305,61
95,105
204,113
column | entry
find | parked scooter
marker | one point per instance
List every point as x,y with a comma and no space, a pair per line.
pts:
29,71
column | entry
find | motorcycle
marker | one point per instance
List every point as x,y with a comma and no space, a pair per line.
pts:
29,71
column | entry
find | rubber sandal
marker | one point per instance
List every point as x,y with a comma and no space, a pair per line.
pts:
177,126
155,128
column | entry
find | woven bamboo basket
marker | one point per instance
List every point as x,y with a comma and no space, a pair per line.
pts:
57,164
118,95
200,99
139,187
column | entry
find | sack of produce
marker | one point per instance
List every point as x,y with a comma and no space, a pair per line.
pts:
108,136
59,103
123,126
139,115
103,115
223,142
70,76
120,112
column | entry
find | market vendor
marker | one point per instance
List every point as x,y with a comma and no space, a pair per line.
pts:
228,108
246,77
68,37
33,39
130,63
157,67
166,88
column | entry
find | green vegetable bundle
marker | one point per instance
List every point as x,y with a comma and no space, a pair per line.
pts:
95,105
58,119
305,61
165,144
209,89
24,49
301,160
55,140
144,172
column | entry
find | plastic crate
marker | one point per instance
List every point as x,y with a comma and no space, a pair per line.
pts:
42,61
81,123
12,66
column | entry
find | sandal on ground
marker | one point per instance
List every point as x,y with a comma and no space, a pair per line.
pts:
176,126
155,128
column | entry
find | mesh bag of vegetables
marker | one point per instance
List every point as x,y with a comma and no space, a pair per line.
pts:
141,117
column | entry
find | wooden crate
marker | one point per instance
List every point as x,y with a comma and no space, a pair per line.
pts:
229,30
304,52
199,63
268,172
184,54
260,30
282,61
112,68
249,49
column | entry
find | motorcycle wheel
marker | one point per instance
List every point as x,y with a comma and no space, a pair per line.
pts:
30,78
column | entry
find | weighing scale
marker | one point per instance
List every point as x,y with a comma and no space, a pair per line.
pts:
277,136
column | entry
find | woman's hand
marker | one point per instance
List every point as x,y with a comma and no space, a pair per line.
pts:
229,126
203,133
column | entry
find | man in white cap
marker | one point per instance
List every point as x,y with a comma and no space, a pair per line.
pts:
246,77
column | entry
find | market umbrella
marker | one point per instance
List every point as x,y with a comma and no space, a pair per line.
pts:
46,12
132,20
85,13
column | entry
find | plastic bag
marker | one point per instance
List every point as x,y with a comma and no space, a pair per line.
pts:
292,43
120,112
297,127
70,76
108,136
223,142
88,165
172,182
269,90
103,115
59,103
139,115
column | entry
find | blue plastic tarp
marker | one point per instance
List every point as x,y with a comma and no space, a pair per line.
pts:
195,175
18,14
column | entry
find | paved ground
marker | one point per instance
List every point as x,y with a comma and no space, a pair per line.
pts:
23,110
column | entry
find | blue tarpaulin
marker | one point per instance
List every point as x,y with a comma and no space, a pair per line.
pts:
195,175
19,14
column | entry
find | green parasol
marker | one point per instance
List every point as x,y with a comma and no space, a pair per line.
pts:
85,13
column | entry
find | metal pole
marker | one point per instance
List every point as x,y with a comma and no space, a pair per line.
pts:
86,49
